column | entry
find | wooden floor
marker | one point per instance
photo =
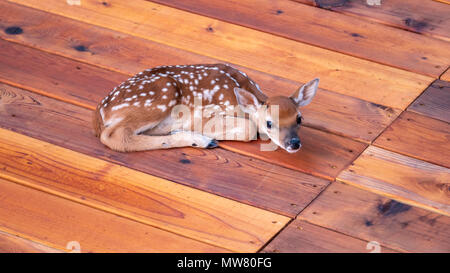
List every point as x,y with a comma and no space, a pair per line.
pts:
373,173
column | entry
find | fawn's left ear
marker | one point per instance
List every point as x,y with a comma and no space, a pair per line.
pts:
305,94
246,100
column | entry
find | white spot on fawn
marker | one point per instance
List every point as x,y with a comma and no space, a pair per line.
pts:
162,107
148,103
120,106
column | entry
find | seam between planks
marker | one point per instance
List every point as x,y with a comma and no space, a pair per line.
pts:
339,232
296,217
443,73
103,209
393,197
379,22
275,235
352,236
423,79
299,40
124,213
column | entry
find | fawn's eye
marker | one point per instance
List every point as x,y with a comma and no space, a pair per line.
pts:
299,119
269,124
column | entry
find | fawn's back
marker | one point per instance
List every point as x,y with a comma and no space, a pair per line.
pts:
151,94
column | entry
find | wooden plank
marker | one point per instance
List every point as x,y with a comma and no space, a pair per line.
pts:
371,217
135,195
334,148
43,217
321,154
419,137
59,78
434,101
102,47
426,17
249,48
329,111
14,244
446,75
303,237
326,29
227,174
403,178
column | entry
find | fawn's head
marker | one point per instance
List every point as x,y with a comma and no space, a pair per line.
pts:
278,117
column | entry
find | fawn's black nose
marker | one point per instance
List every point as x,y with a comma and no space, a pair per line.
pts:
294,143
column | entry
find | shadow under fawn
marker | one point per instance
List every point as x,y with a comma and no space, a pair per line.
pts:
195,105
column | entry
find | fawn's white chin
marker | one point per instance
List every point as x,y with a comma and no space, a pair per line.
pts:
291,151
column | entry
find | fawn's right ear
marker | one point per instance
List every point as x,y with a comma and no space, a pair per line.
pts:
305,93
246,100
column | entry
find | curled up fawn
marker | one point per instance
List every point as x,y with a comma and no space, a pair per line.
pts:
195,105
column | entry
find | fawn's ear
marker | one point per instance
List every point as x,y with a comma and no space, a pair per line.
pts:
246,100
305,94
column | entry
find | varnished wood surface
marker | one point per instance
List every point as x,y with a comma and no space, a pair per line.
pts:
413,181
379,122
14,244
131,194
446,75
346,34
428,17
58,222
418,136
289,59
434,101
372,217
304,237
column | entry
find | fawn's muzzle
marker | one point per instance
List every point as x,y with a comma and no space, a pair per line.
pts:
294,143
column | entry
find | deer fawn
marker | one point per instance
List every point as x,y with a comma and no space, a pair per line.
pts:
143,113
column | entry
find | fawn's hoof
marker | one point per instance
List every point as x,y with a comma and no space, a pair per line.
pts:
212,144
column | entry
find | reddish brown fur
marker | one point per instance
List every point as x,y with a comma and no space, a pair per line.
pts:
287,110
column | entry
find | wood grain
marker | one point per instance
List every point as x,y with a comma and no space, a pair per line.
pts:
58,78
289,59
303,237
422,16
329,111
330,30
14,244
371,217
321,154
403,178
135,195
43,217
221,172
434,101
419,137
338,150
